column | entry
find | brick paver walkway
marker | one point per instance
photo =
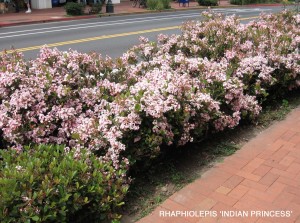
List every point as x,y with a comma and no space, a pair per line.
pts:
263,178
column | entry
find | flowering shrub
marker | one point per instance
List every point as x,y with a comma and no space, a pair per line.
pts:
217,72
207,79
64,98
52,184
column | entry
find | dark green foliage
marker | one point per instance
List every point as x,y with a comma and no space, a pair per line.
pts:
166,4
158,4
96,8
74,8
47,184
208,2
151,4
236,2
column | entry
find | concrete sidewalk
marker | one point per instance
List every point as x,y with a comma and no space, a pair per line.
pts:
59,14
261,179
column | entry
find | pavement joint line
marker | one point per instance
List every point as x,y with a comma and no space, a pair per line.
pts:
104,37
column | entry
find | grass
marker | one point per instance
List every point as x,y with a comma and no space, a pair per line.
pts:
183,165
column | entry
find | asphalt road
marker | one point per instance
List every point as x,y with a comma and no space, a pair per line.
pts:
107,35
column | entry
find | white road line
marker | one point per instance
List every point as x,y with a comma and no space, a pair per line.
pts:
124,21
95,24
117,22
243,10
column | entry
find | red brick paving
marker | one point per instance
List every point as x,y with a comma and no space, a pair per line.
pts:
262,176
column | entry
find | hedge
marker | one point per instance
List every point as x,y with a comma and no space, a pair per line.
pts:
53,184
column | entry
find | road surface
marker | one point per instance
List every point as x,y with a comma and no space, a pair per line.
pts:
107,35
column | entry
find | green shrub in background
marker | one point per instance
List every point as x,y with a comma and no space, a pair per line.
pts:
74,8
158,4
47,184
166,4
242,2
96,8
208,2
151,4
236,2
20,4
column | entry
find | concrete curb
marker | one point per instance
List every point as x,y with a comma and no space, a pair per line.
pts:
49,20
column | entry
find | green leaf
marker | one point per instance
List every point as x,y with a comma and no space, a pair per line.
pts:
31,179
137,107
35,218
34,195
121,203
48,76
75,136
